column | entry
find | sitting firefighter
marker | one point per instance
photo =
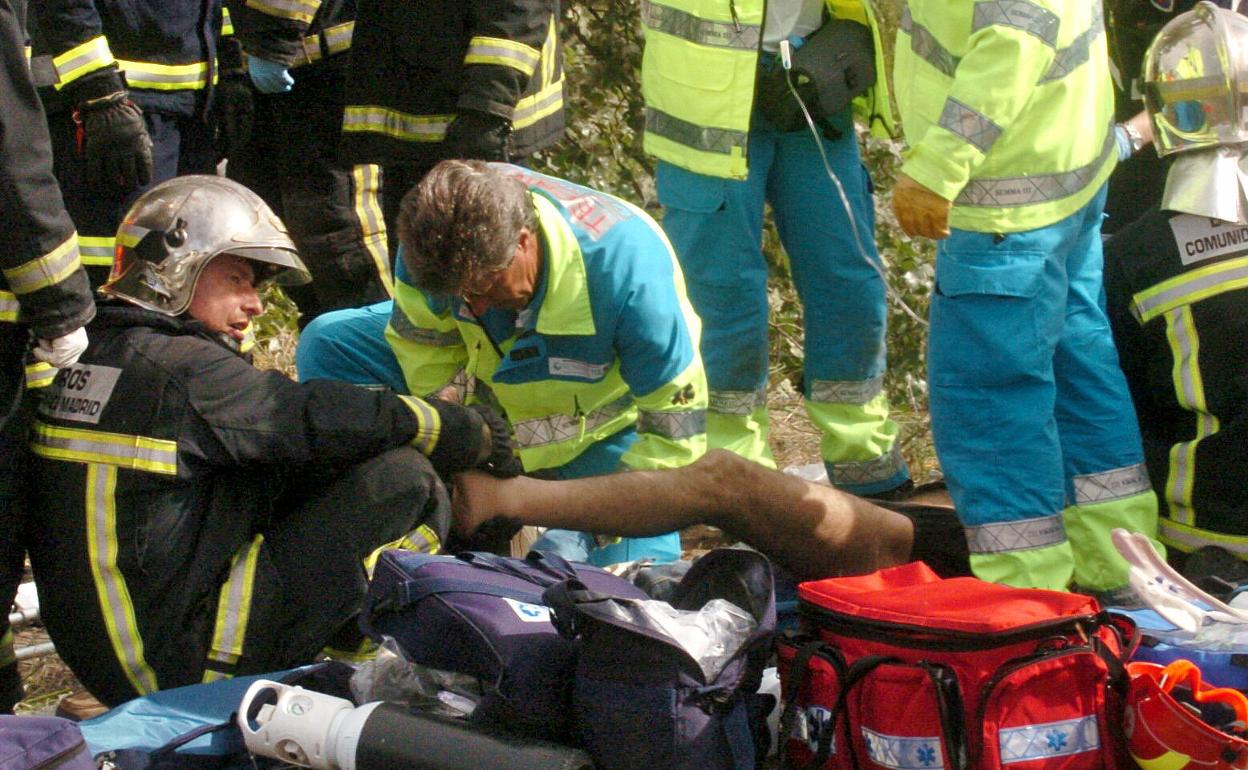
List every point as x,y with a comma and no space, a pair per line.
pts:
196,517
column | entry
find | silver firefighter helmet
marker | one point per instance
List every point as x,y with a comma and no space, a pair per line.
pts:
174,229
1196,80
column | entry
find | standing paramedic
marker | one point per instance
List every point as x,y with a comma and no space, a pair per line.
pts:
196,517
1008,112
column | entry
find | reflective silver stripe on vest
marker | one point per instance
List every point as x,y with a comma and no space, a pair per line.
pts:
1116,484
676,426
1199,285
903,752
78,445
47,270
872,471
845,391
1187,538
1040,188
404,327
1075,54
925,45
113,595
718,140
1048,740
1019,14
563,427
234,610
972,126
741,402
686,26
1016,535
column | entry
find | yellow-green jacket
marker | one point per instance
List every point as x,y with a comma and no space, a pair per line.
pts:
698,74
1007,107
608,342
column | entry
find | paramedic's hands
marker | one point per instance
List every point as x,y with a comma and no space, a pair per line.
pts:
269,77
501,460
920,212
62,351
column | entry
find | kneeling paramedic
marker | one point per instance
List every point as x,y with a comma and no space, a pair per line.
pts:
196,517
564,305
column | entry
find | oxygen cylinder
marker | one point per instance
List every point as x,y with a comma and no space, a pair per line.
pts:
321,731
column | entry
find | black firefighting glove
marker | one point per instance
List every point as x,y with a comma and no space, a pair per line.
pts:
112,137
477,135
472,438
233,113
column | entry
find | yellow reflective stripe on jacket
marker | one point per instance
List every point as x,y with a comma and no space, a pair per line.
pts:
110,585
297,10
503,52
420,540
82,60
227,24
9,307
233,611
395,124
1186,538
48,270
165,77
1189,389
1190,287
96,251
366,202
429,424
39,375
548,98
337,39
138,453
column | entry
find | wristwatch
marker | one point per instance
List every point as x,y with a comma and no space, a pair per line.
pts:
1134,135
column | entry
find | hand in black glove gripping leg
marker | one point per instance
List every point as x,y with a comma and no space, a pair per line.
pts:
112,137
477,136
473,437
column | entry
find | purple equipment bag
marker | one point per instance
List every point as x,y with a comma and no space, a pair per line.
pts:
482,614
42,742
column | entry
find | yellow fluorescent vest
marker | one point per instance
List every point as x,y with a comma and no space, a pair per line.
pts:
1007,107
698,72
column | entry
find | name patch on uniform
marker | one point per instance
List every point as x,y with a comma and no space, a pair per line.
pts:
570,367
1201,238
80,393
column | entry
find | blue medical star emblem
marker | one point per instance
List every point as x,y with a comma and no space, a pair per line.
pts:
1056,740
926,755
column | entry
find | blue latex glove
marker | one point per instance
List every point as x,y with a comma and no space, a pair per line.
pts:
269,76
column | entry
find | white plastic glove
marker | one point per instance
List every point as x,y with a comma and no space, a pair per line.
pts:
62,351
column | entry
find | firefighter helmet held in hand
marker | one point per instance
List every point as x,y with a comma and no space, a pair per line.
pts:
174,229
1196,79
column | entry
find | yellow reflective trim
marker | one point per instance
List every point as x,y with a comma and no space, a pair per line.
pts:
110,585
234,609
337,39
227,24
503,52
365,189
39,375
535,107
395,124
298,10
96,251
82,59
48,270
1190,287
420,540
9,306
1186,538
429,424
90,446
1189,389
165,77
129,234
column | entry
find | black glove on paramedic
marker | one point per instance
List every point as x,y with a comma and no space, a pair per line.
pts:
233,112
477,135
111,135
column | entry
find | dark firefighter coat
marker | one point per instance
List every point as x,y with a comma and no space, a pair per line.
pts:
166,48
160,457
416,63
1177,287
298,35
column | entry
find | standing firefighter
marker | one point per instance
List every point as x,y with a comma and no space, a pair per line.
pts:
197,517
283,144
1008,111
43,293
1177,279
730,135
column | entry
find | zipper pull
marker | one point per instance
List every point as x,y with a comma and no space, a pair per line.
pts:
736,20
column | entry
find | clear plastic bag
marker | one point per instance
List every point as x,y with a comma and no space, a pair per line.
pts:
393,678
711,635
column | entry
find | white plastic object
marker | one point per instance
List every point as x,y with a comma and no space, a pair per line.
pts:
301,727
1168,593
771,686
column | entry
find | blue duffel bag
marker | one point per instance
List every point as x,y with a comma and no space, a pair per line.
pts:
47,743
483,615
